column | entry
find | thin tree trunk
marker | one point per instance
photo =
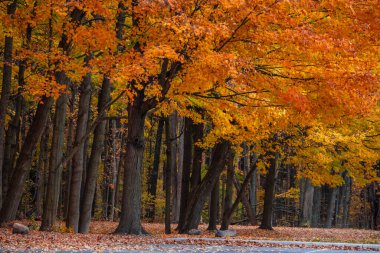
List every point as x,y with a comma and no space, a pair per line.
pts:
316,216
187,163
93,165
266,222
331,207
23,164
226,219
153,175
131,201
170,167
197,158
214,207
77,161
245,201
172,161
347,202
5,92
180,150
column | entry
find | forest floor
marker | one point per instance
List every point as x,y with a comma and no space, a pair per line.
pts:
100,237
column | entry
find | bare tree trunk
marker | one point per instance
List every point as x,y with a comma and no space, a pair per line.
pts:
93,165
77,161
5,92
266,222
245,201
214,207
316,216
170,167
180,150
226,219
153,175
197,158
187,163
172,124
346,202
307,209
331,207
23,164
131,201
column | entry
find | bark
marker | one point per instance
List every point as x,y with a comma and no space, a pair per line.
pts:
77,161
331,207
172,124
307,209
153,175
214,207
253,187
187,162
180,150
200,193
69,147
226,218
5,92
131,200
170,166
267,220
316,216
197,158
93,165
24,160
346,202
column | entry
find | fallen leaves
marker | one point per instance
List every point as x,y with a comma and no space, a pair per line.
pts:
100,238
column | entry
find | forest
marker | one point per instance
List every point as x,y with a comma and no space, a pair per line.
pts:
189,112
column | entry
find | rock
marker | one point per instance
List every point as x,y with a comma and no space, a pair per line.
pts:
20,229
194,232
225,233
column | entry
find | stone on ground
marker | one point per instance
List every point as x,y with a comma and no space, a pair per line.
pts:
225,233
20,229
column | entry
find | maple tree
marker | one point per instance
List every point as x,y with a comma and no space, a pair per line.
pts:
237,71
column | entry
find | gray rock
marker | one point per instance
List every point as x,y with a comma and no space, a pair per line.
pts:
194,232
20,229
225,233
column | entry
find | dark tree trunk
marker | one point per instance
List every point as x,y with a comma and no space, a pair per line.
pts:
266,222
77,161
245,201
24,160
346,202
200,193
131,201
253,187
316,216
55,173
153,175
226,218
197,158
187,162
214,207
170,167
5,92
96,152
69,147
331,207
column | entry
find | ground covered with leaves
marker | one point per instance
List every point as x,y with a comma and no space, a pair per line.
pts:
101,237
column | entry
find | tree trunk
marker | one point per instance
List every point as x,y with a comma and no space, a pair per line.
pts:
131,201
197,158
187,162
226,218
200,193
245,201
5,92
307,209
331,207
170,167
172,164
24,160
346,202
214,207
266,222
316,216
93,165
153,175
77,161
55,174
180,150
